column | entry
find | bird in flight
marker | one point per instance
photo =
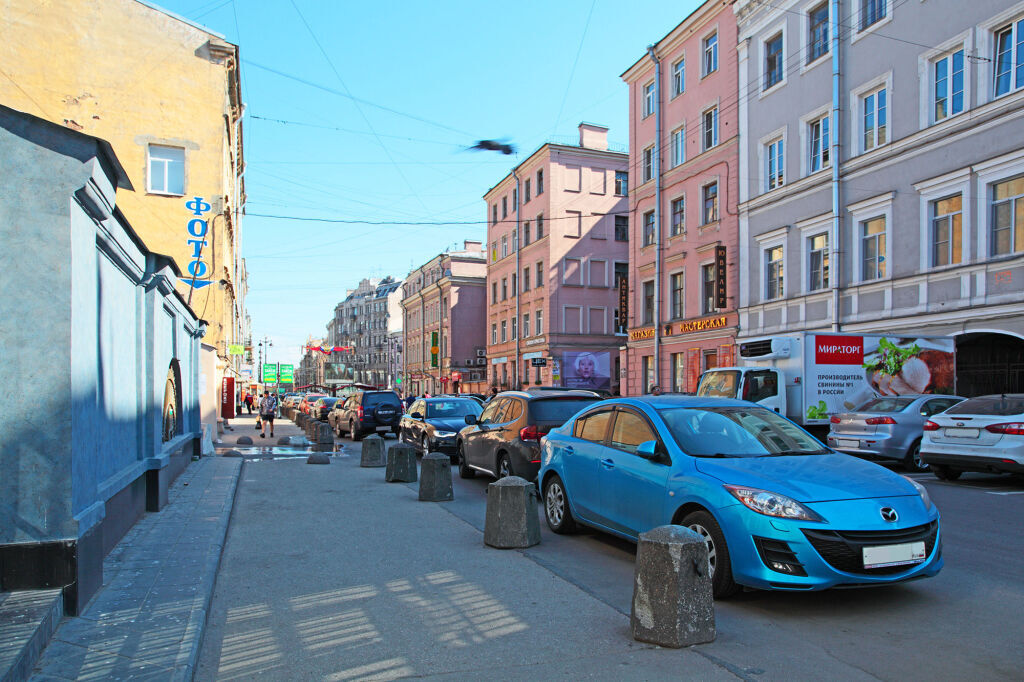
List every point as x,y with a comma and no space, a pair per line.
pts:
495,146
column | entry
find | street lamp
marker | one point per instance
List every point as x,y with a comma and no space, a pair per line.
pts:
265,341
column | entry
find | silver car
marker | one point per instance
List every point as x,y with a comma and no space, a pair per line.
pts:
889,427
981,434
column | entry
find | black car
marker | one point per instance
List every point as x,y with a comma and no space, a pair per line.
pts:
505,439
321,408
432,424
365,412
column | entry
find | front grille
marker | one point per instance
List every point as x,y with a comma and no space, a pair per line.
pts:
778,552
843,549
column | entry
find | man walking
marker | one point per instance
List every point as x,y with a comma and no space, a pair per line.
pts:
268,408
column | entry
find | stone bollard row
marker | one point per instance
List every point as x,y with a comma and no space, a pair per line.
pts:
401,463
373,454
324,434
511,521
436,478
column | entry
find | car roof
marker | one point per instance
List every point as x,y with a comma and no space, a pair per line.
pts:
663,402
548,395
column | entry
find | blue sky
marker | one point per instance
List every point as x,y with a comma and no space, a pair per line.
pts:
364,112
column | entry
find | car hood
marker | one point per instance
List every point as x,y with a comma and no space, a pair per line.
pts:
455,424
809,478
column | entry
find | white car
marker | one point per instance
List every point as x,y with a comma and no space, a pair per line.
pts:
980,434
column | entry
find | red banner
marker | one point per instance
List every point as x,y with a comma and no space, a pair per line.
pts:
839,350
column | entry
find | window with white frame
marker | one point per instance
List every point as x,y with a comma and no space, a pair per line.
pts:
540,274
539,319
1009,58
540,182
621,228
504,331
504,288
1008,216
948,85
676,287
707,285
678,146
874,118
710,49
709,203
621,183
679,78
504,207
872,249
872,11
817,262
515,328
678,216
817,32
166,170
773,61
526,325
526,279
774,269
504,245
947,229
648,160
526,233
818,140
526,191
648,99
540,225
775,161
494,334
648,230
710,131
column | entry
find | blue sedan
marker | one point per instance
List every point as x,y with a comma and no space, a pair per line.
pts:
777,509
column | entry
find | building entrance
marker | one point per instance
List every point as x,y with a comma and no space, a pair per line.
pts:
989,363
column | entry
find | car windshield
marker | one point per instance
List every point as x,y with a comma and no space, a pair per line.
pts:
886,405
995,405
719,384
558,409
737,432
453,408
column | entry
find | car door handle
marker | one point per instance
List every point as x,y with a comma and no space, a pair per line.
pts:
608,463
568,450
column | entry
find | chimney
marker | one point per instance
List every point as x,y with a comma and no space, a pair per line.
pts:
593,136
472,245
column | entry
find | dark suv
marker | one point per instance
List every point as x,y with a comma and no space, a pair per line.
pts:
505,439
366,412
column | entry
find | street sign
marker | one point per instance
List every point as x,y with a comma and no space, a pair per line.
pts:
539,362
287,374
270,374
236,349
721,295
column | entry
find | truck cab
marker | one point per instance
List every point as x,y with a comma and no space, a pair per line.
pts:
757,384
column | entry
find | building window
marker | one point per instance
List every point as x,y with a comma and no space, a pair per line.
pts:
494,334
648,163
494,214
678,146
710,64
707,284
540,182
872,241
572,271
710,128
515,286
494,251
775,162
515,197
504,288
679,77
817,32
526,279
504,331
504,207
504,245
648,99
540,274
526,233
526,325
494,292
621,228
773,61
540,226
1008,217
621,183
597,268
647,369
678,216
774,273
648,228
875,114
819,144
946,231
166,170
948,75
1009,60
871,12
679,372
709,360
526,190
709,202
818,262
678,298
515,328
648,302
539,317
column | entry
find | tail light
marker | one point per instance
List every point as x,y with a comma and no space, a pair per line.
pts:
931,426
875,421
834,419
529,433
1010,428
359,411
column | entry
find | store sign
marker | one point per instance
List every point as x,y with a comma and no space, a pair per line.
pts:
623,301
269,374
434,350
227,398
702,324
721,295
641,334
197,228
236,349
539,362
535,342
287,373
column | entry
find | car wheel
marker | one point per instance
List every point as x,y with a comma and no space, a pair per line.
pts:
556,507
913,461
337,429
504,467
944,473
353,432
464,470
704,525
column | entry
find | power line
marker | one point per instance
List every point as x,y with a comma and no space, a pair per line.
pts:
349,130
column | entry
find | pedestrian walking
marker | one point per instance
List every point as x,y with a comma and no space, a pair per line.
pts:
655,389
248,402
268,408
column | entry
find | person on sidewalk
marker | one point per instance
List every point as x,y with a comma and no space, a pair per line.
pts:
268,408
248,402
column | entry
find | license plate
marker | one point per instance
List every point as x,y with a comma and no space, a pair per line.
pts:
844,443
894,555
954,432
383,428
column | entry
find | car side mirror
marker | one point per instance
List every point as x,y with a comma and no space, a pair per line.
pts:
470,419
416,415
648,449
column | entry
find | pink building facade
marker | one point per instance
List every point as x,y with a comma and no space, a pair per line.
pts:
557,247
684,226
443,305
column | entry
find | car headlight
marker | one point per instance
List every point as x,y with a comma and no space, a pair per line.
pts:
444,434
773,504
922,491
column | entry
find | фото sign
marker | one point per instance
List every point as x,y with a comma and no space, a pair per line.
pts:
197,228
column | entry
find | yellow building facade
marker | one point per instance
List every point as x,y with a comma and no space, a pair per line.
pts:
166,94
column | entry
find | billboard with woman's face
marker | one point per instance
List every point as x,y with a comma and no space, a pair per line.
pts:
586,369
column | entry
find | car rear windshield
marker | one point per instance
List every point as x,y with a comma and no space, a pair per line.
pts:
379,399
329,401
886,405
737,432
558,409
999,406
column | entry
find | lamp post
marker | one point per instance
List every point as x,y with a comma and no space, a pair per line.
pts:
264,342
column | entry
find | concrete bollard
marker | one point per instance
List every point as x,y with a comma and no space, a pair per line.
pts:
243,440
373,452
300,420
284,440
324,433
318,458
436,478
511,514
232,453
401,466
673,602
311,429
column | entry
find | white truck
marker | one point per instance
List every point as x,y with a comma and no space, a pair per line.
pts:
810,376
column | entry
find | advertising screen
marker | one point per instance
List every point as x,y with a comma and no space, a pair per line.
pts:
586,369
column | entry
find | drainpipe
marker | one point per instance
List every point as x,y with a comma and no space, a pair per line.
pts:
837,207
657,218
518,245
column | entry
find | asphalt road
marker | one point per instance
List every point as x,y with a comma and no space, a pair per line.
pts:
962,624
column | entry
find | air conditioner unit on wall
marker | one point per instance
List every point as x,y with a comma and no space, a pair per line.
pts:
481,353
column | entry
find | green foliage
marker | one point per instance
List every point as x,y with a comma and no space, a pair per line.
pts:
819,411
890,357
